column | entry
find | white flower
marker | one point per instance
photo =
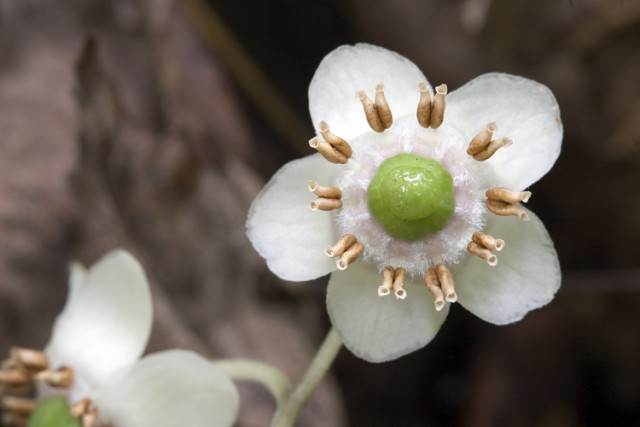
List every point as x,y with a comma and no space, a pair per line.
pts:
99,338
417,200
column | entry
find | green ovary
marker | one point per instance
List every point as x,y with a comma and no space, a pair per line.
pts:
411,196
53,412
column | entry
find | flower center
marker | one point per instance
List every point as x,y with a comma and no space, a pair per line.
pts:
411,196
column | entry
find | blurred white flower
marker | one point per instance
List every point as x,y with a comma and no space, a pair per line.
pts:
422,189
93,358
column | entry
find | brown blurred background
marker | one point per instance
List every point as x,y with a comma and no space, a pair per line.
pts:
151,125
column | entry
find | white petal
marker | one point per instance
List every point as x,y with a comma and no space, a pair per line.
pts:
174,388
283,229
524,110
527,275
348,69
378,329
106,322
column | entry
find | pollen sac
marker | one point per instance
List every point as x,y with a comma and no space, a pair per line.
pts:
411,196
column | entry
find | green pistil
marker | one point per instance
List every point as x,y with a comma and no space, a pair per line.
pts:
411,196
53,412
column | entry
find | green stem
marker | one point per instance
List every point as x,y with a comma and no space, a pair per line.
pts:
249,370
287,413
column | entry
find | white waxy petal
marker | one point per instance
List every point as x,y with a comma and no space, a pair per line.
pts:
106,322
348,69
289,235
175,388
376,328
526,277
523,110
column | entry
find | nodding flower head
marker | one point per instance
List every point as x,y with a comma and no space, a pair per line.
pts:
417,200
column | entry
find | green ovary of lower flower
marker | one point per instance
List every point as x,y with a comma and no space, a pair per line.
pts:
411,196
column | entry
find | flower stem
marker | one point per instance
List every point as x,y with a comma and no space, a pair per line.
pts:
249,370
287,413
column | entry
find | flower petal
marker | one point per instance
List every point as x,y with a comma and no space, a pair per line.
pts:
106,322
378,329
527,275
523,110
348,69
283,229
170,389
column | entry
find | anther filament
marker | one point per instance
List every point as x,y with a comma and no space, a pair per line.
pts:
393,279
347,248
431,112
377,112
439,282
329,198
504,202
483,146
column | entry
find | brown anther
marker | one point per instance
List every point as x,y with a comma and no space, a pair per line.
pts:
350,255
21,405
382,107
446,282
80,408
89,419
506,209
341,245
328,197
14,419
492,148
59,378
424,106
437,109
398,283
387,282
34,360
327,151
15,377
488,241
370,112
433,286
335,141
322,191
481,252
508,196
481,141
325,204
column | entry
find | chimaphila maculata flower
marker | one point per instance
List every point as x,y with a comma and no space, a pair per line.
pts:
93,360
418,200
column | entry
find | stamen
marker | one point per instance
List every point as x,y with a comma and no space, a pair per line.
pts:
322,191
387,282
424,106
506,209
508,196
15,419
20,405
327,151
329,197
335,141
35,360
370,112
350,255
433,286
15,377
482,252
59,378
398,283
80,407
446,282
341,245
492,148
382,107
85,412
89,419
437,110
325,204
488,241
481,140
